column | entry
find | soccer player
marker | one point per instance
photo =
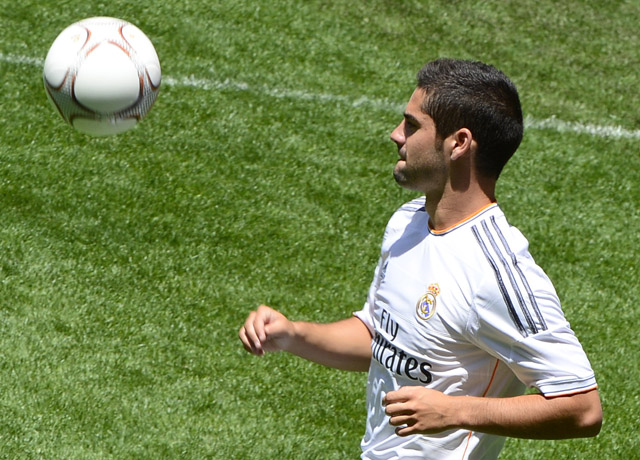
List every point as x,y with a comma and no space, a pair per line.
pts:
459,319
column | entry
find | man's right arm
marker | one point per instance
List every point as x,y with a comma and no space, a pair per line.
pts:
343,344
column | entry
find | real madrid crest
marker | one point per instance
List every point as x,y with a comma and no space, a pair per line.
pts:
426,306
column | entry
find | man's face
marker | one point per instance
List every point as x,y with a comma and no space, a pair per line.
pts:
422,165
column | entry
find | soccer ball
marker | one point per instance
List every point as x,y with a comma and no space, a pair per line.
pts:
103,75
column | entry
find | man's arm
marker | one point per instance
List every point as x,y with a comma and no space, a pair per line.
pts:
420,410
343,344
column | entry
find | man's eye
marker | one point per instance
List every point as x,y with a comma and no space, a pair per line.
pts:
410,126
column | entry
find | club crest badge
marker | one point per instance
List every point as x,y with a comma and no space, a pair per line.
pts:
426,306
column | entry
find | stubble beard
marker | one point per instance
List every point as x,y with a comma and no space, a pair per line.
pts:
423,180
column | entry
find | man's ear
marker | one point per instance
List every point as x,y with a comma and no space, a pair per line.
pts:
462,142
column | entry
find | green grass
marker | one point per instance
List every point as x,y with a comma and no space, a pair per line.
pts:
128,263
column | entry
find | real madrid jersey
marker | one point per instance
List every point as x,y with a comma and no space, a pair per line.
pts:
465,311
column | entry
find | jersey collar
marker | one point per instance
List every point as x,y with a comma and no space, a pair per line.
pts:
463,221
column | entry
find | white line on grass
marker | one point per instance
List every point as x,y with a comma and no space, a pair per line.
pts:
207,84
581,128
552,123
21,60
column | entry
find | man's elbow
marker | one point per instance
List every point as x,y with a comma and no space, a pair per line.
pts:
592,425
590,420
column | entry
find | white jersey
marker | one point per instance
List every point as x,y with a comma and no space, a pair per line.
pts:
465,311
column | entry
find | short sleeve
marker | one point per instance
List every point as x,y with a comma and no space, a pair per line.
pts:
554,362
549,358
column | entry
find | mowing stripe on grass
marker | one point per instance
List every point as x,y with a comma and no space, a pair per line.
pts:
551,123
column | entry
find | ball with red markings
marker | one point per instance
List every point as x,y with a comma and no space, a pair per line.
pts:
103,75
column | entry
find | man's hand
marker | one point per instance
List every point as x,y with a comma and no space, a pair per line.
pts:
419,410
344,344
266,330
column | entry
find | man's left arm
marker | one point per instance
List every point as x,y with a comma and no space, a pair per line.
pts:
419,410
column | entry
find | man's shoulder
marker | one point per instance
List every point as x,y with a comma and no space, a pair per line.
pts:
411,215
413,206
406,213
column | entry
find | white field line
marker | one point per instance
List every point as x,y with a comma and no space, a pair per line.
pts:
562,126
207,84
552,123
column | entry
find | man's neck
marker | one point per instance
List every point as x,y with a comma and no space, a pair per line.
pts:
454,207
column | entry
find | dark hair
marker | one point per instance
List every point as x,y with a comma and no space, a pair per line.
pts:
479,97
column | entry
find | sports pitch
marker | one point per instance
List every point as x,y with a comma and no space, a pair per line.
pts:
263,175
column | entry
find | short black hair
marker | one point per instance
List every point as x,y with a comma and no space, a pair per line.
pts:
479,97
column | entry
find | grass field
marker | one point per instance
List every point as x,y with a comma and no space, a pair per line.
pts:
262,174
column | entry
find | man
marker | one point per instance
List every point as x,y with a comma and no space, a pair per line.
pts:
459,319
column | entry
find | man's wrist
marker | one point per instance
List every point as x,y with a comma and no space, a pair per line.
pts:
466,411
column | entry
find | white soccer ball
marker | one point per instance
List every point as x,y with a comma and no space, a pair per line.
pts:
103,75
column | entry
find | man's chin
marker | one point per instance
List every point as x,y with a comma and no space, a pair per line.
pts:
401,179
398,176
